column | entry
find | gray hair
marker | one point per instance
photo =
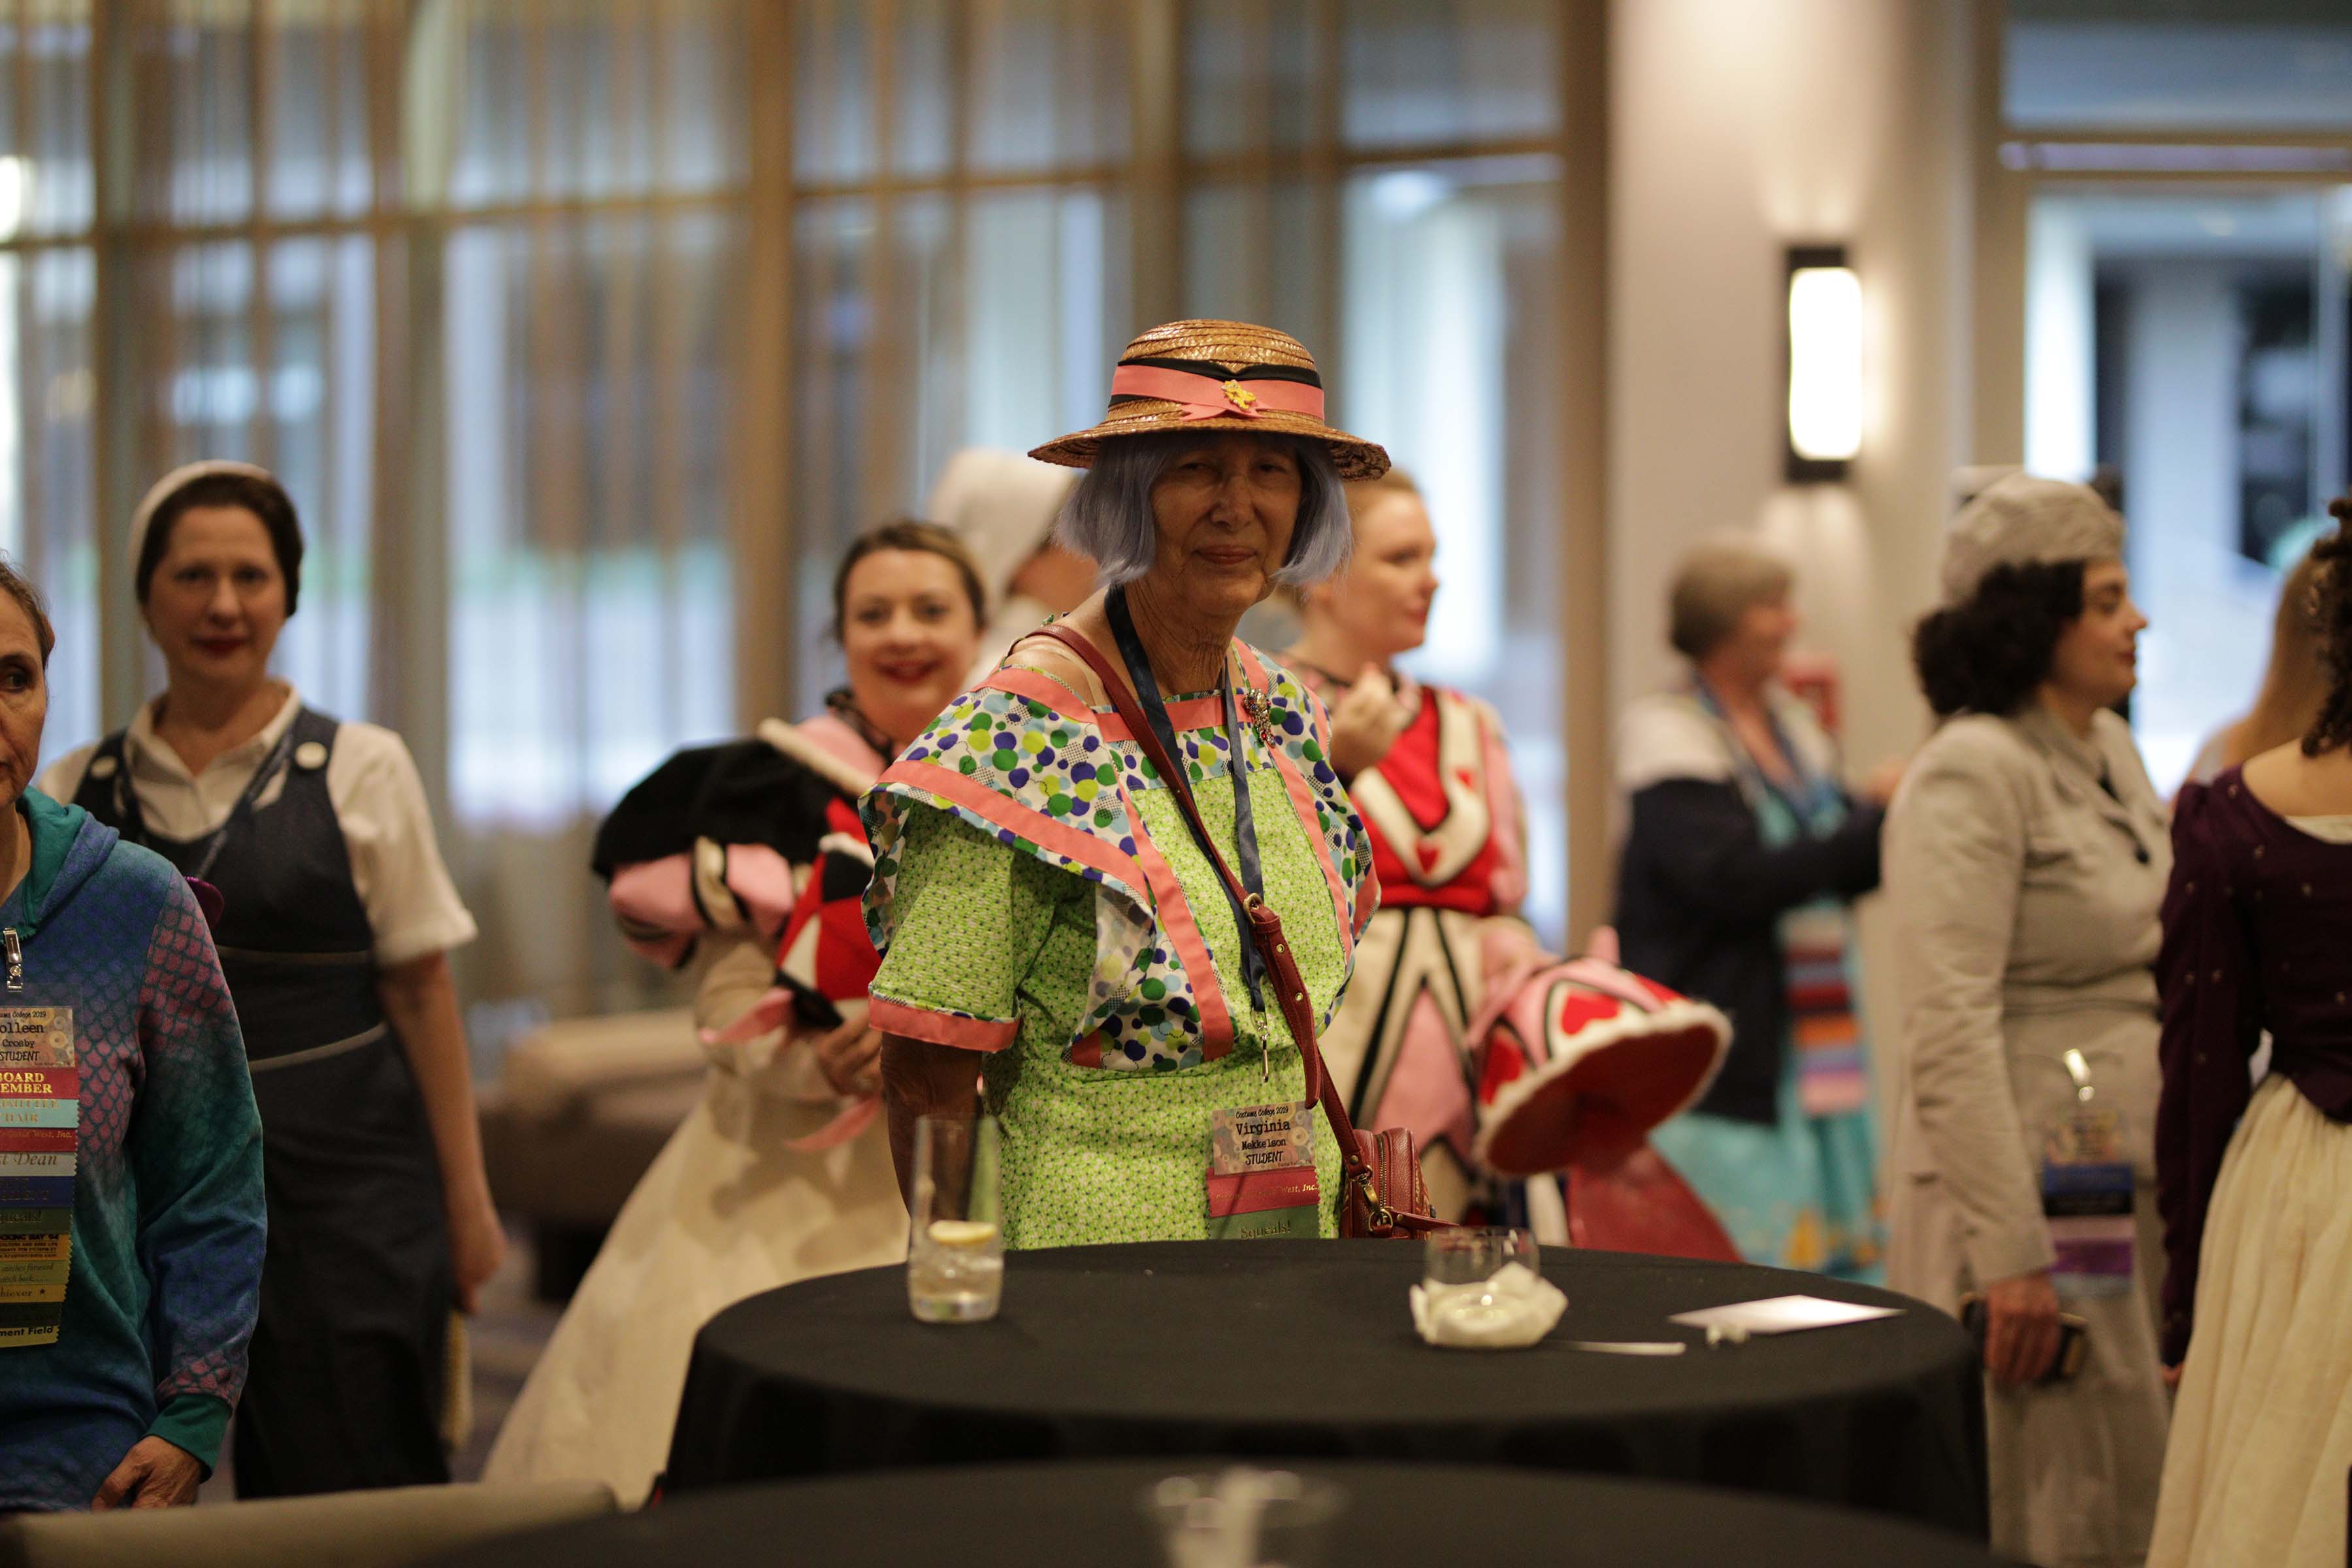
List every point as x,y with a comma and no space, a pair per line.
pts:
1719,582
1108,515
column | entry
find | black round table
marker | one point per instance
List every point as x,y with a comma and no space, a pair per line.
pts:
1408,1516
1305,1349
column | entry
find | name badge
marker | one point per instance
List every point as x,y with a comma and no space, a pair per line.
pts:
40,1118
2086,1195
1261,1176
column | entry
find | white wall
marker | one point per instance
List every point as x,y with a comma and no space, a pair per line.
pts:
1739,126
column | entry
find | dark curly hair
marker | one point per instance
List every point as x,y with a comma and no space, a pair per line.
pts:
1988,655
2331,595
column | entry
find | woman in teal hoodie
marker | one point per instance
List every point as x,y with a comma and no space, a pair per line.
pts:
131,1195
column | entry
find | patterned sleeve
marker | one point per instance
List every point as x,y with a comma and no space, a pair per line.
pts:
195,1158
967,922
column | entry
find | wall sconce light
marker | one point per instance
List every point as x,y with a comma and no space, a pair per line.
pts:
1824,426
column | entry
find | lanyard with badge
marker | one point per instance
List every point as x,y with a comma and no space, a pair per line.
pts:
1816,938
2087,1192
1261,1175
40,1119
135,820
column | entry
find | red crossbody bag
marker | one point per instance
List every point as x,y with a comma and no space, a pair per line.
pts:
1382,1192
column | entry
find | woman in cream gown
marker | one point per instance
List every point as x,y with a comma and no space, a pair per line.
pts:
745,861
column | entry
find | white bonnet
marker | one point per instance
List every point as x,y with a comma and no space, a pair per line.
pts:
2024,520
1002,506
170,484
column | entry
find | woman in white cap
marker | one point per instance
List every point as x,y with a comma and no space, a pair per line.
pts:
2026,855
336,922
1002,506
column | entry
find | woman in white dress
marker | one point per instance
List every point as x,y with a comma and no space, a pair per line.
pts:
746,860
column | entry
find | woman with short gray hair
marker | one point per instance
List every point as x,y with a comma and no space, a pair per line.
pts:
1743,852
1046,910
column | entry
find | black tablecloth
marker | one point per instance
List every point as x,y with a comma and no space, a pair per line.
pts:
1307,1348
1408,1516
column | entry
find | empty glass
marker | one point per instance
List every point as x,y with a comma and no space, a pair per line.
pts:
1458,1269
1245,1518
955,1246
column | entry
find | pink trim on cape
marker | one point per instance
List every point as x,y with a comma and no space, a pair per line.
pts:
1302,800
938,1028
1057,837
1192,948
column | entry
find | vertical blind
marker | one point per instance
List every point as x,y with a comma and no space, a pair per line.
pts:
483,280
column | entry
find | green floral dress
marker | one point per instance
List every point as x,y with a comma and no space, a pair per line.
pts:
1037,899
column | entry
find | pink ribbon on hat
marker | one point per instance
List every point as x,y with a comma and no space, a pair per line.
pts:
1206,397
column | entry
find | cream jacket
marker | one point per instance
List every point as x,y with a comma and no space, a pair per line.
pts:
2025,899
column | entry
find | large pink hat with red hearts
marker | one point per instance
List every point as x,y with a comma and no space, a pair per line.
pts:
1582,1059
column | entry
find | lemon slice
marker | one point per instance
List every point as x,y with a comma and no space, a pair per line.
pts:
962,1233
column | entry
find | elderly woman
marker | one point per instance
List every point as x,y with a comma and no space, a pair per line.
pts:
2026,857
745,862
1430,771
1743,852
131,1197
338,922
1045,913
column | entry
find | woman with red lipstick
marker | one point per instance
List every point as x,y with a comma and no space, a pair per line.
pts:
336,927
2026,857
1051,916
745,861
1429,771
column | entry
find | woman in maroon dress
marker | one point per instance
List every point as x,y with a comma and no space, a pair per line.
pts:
2255,1183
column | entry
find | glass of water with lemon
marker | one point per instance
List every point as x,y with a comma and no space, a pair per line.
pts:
955,1251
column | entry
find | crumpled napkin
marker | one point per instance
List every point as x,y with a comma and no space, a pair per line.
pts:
1510,1311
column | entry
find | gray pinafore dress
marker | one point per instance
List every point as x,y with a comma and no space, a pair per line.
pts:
348,1357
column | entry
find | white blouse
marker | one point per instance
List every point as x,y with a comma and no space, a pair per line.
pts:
377,797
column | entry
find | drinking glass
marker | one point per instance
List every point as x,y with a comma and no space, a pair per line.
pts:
1458,1268
1245,1518
955,1249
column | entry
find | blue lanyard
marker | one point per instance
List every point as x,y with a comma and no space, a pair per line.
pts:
1138,673
1812,785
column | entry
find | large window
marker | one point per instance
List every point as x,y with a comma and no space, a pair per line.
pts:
2187,227
989,201
463,275
584,332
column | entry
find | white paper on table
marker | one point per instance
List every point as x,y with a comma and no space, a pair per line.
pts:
1783,1315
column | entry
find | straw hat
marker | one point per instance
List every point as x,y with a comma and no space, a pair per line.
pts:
1217,375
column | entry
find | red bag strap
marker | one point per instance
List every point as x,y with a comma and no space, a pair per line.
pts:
1265,926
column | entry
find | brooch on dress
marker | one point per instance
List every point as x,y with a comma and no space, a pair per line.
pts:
1258,712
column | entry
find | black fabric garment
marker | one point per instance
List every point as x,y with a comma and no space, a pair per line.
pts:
346,1372
1307,1348
744,792
1699,901
1394,1516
